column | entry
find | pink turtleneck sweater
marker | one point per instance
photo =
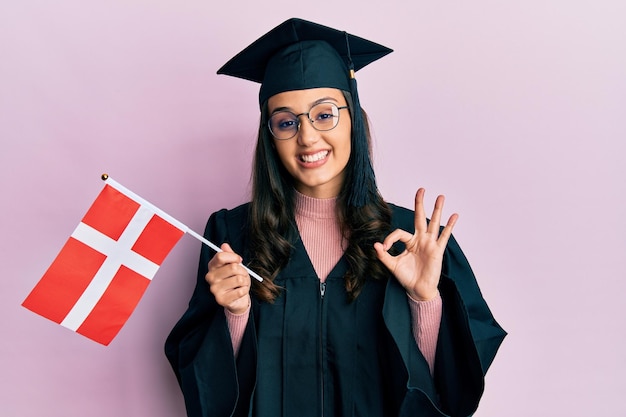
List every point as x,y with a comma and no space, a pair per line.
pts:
321,235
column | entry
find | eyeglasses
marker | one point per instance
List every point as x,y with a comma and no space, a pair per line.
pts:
323,116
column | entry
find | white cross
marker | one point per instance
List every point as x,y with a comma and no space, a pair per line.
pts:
117,253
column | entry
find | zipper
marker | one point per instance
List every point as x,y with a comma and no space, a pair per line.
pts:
322,292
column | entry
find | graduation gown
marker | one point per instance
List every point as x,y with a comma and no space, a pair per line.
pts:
313,353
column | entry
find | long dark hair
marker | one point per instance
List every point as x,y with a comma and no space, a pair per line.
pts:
272,220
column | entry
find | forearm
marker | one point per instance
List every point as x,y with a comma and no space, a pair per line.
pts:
237,327
426,319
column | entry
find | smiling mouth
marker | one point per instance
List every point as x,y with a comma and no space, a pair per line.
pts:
314,157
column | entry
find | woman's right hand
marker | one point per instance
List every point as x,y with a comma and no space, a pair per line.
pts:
229,281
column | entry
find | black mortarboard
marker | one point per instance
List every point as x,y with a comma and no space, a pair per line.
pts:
298,54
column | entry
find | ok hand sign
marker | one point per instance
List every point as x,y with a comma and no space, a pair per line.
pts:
418,268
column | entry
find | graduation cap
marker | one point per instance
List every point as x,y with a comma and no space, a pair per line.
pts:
298,55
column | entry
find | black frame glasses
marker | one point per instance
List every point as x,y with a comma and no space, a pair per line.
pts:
284,124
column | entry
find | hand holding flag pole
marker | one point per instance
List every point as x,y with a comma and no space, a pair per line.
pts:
217,249
100,274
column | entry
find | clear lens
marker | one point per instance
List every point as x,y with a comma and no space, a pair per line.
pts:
285,124
324,116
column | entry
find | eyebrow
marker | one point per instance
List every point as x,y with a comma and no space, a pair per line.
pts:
316,102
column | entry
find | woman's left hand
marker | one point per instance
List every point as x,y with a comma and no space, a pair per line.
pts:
418,268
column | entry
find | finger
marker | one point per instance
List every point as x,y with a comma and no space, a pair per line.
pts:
420,214
231,289
228,299
221,272
447,231
227,278
226,248
232,282
384,256
225,257
395,236
435,220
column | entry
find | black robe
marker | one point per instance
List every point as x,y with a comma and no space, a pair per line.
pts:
312,353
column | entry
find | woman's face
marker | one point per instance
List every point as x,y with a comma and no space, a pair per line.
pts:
315,159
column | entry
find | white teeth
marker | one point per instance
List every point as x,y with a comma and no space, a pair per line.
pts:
314,157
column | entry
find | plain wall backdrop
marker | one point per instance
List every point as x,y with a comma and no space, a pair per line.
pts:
515,110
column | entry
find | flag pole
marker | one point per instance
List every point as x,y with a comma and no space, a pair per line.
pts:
181,226
217,249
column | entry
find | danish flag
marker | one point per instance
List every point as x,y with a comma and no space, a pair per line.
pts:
102,271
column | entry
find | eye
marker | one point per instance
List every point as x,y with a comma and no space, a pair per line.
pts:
324,112
286,124
323,116
283,121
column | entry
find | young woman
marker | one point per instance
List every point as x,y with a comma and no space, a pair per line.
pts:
366,308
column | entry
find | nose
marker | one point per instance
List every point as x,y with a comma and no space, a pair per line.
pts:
307,135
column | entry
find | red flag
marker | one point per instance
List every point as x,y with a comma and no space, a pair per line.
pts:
97,279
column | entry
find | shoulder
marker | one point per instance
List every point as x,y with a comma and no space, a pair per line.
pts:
232,217
401,217
228,225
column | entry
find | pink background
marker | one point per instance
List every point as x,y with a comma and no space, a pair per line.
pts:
515,110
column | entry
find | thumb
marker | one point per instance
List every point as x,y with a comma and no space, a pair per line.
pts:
225,247
384,256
